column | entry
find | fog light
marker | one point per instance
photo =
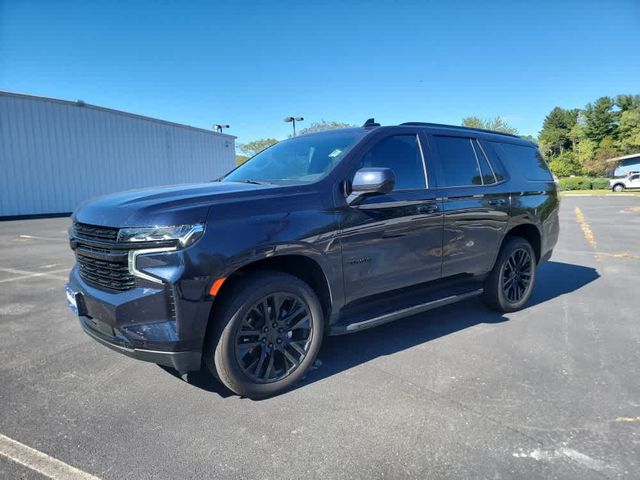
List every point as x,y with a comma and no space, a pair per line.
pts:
161,331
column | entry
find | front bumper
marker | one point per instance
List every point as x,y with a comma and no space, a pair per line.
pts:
180,361
153,323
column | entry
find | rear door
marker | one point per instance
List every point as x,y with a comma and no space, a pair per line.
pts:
475,205
394,240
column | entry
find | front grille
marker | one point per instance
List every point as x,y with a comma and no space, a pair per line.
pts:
100,262
108,273
95,232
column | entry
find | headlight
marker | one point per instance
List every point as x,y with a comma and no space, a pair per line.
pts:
184,234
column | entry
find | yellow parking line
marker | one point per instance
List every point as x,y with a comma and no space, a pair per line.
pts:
586,230
588,235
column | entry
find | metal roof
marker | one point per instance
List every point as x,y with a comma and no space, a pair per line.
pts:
624,157
82,104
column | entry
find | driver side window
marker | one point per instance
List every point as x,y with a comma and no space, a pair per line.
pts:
400,153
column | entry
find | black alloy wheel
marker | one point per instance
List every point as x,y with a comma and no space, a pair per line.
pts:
510,283
265,333
274,337
516,275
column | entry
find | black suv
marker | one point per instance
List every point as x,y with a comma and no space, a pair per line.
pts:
322,234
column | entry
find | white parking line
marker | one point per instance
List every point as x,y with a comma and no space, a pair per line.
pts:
33,237
40,462
22,274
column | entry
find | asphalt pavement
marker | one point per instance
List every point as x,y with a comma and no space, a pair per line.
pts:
552,391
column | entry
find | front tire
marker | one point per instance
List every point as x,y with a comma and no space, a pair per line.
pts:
266,334
509,285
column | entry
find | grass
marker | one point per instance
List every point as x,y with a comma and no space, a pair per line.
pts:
598,193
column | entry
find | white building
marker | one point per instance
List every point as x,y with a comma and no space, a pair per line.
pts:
55,153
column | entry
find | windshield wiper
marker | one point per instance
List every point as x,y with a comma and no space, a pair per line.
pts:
255,182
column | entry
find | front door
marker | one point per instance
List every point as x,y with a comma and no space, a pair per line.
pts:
394,240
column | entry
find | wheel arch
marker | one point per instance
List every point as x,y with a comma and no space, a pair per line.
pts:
530,233
299,265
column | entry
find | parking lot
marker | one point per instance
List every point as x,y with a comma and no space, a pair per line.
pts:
552,391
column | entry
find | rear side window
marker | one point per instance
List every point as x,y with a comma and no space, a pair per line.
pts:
458,161
524,160
488,176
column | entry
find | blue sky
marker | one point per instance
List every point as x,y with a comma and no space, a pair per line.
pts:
249,64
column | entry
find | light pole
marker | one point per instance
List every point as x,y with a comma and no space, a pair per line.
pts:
293,120
218,127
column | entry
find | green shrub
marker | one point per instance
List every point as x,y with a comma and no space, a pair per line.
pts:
583,183
565,164
599,183
575,183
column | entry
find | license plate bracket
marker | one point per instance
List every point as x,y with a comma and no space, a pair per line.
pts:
71,299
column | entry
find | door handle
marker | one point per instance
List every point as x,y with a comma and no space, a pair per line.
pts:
429,208
497,201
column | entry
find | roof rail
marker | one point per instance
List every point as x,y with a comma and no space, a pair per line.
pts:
459,127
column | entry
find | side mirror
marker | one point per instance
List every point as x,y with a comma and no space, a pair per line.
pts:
371,181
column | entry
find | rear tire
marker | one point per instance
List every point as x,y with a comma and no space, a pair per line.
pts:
618,187
509,285
266,333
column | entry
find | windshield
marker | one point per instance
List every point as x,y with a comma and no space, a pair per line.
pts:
302,159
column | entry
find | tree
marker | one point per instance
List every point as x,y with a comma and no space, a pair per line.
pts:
580,141
324,125
240,159
555,136
600,119
597,164
628,102
629,131
256,146
497,124
565,164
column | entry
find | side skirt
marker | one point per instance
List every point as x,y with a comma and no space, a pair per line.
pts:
344,328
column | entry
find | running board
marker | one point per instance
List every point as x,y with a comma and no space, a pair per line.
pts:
405,312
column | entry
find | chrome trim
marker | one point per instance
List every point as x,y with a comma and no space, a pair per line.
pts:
424,162
475,154
134,254
197,228
495,177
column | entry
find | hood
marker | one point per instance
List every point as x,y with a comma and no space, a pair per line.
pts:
170,205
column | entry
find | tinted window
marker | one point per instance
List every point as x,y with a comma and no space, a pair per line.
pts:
401,154
458,161
524,160
487,173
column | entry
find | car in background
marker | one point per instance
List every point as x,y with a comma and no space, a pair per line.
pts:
632,180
